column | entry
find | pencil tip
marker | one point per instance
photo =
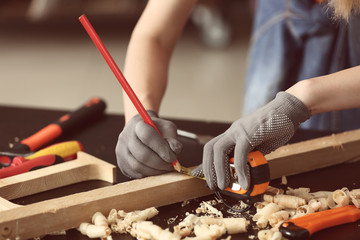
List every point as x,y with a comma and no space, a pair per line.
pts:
176,165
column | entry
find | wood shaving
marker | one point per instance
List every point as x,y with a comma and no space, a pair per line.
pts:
171,220
124,221
209,222
241,205
146,230
184,203
273,191
93,231
215,227
269,235
300,202
286,201
300,192
207,208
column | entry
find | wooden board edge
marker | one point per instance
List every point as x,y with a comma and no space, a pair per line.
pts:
314,154
68,212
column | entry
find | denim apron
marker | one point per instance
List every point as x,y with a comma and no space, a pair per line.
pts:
293,40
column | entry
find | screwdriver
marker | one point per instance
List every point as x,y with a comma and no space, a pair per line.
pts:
53,154
22,165
65,150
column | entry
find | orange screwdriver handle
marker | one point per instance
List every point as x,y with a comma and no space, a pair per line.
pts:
303,227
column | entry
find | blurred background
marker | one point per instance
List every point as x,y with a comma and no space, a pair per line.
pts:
47,60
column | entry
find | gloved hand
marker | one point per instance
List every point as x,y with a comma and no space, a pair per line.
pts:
264,130
141,151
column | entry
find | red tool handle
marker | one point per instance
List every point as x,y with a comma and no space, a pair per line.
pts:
90,111
21,165
120,77
303,227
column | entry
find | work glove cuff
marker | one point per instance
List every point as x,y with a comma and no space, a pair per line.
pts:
152,113
295,109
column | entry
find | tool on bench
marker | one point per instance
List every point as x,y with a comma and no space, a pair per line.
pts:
51,155
21,165
91,110
125,85
303,227
66,150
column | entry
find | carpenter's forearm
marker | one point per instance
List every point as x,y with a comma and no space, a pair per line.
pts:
337,91
146,70
150,49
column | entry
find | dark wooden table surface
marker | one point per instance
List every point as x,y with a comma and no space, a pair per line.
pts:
99,139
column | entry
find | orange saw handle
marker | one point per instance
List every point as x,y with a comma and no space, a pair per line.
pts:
259,178
303,227
91,110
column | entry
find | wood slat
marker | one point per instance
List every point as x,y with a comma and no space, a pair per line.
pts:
314,154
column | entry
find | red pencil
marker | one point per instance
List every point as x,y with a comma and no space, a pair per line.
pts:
120,77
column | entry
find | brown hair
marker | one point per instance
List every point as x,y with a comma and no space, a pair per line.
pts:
344,8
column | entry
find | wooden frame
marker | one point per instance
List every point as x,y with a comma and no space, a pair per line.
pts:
82,169
57,214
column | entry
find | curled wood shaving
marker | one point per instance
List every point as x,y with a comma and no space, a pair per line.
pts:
184,203
125,220
93,231
300,192
216,226
207,208
269,235
286,201
146,230
276,208
273,190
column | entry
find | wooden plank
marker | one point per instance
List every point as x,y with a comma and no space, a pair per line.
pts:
314,154
68,212
84,168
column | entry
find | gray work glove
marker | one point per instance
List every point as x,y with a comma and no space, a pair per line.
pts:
141,151
264,130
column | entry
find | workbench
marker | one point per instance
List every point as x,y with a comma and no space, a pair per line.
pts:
99,139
